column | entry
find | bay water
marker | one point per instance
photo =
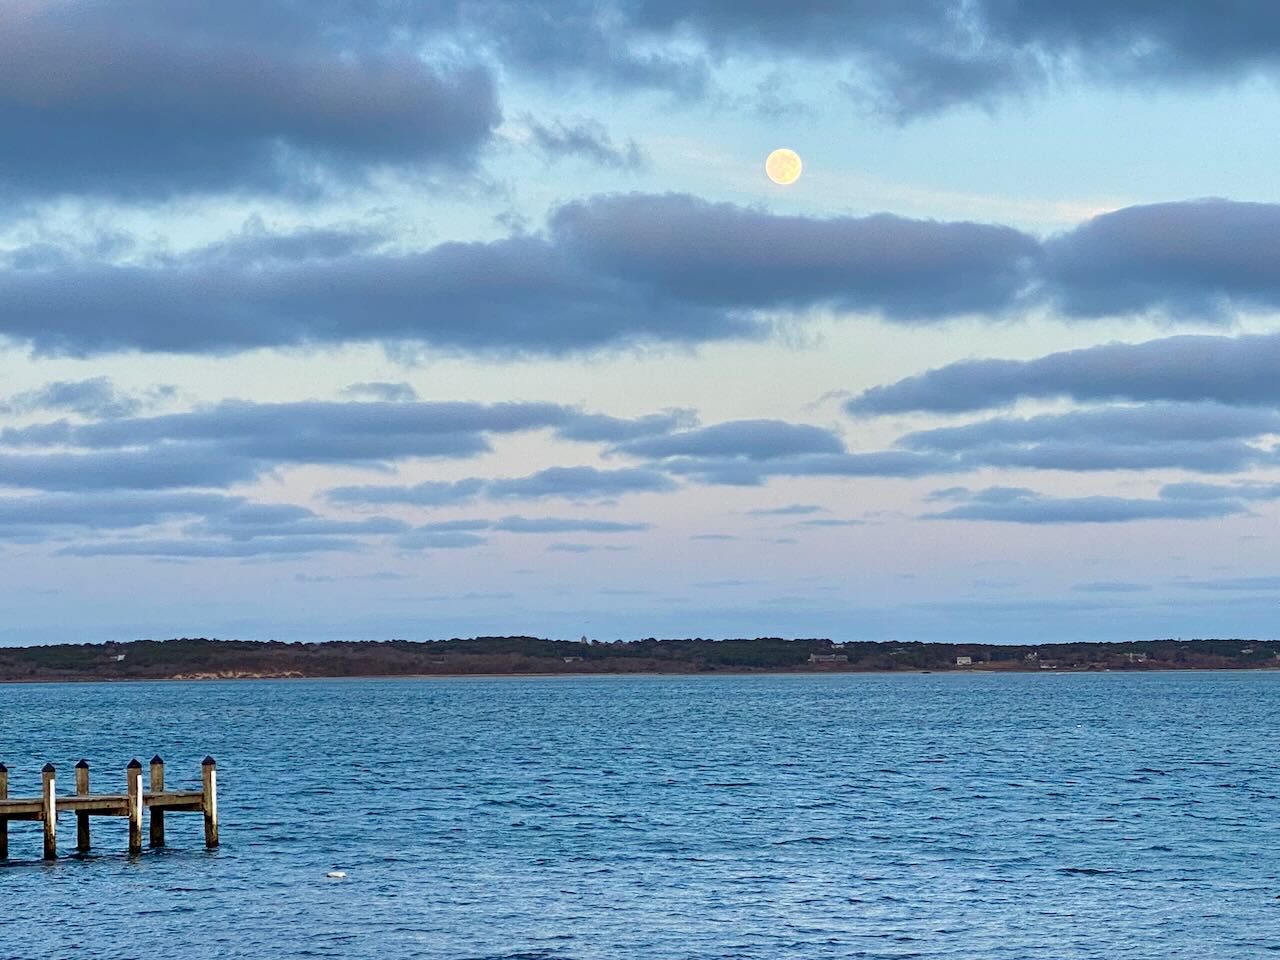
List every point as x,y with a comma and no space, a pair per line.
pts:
656,818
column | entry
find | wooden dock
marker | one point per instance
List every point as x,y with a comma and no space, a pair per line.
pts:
131,804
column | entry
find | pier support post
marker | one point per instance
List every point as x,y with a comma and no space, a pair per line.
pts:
157,816
82,819
133,778
49,810
4,824
209,801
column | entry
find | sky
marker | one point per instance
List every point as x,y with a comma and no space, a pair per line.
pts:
391,319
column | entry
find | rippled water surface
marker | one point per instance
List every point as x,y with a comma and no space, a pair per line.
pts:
965,816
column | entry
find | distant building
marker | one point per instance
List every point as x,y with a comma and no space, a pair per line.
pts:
1032,656
571,659
118,657
964,661
828,658
1137,657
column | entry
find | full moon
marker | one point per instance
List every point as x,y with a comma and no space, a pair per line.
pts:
783,166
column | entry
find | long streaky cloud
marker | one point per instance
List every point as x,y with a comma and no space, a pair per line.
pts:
1227,370
620,270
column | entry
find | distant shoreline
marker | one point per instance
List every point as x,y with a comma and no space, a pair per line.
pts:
202,659
651,674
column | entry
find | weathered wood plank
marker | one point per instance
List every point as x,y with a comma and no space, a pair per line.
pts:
175,800
96,805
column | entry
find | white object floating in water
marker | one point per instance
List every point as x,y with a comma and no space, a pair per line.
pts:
336,875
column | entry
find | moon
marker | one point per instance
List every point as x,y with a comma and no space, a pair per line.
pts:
783,166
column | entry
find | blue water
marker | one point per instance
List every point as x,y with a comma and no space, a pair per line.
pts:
960,816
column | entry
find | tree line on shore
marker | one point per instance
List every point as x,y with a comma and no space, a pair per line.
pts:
200,658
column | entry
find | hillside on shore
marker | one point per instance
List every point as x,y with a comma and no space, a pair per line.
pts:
232,659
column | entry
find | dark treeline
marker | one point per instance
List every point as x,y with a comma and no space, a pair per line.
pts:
201,658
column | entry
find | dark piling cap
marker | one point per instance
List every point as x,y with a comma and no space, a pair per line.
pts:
3,768
82,765
208,762
156,761
47,768
134,764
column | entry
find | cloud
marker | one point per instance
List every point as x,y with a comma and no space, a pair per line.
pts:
907,59
571,483
237,440
562,525
254,521
177,97
96,398
1261,584
1198,259
790,510
609,272
207,549
1157,422
750,473
730,257
430,493
454,534
39,516
1202,437
521,295
599,428
579,483
1227,370
425,539
1020,505
750,439
385,392
586,139
1240,490
151,469
278,95
630,269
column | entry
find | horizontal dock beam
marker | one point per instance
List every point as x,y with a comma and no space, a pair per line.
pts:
130,804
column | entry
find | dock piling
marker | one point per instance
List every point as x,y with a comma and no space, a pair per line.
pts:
49,810
157,816
133,779
209,775
82,818
4,823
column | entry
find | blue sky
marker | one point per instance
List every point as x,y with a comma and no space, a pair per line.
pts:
336,320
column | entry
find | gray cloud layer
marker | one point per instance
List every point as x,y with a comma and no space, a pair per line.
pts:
153,98
570,483
163,98
626,269
237,441
1228,370
608,272
1020,505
